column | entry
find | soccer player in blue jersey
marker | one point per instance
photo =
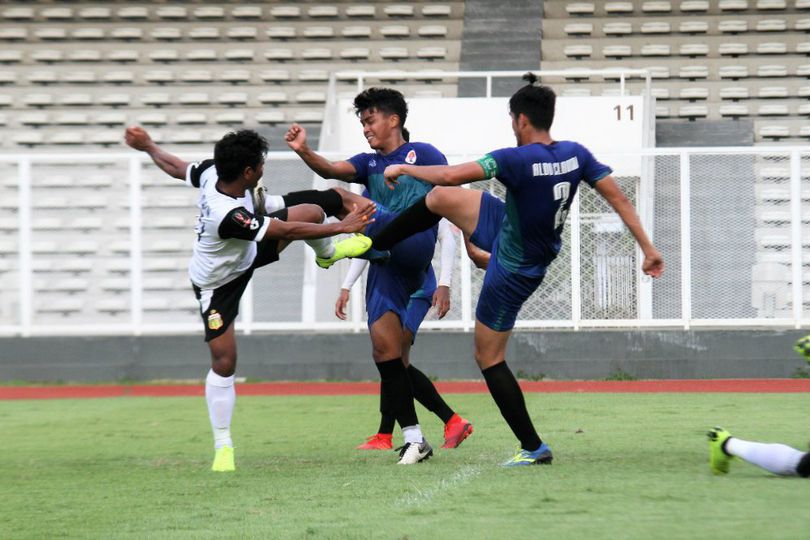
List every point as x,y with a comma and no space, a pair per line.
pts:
522,234
382,113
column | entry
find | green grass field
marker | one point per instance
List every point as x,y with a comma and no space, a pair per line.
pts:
627,466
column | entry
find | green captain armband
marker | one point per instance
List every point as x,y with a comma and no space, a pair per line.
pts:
489,165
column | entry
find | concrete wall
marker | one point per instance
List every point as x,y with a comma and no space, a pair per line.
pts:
552,354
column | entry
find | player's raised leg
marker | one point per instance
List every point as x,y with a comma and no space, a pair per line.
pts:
773,457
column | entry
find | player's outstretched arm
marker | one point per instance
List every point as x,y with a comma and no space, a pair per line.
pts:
139,139
355,221
296,138
438,175
607,187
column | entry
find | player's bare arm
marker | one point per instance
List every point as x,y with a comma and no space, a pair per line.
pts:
438,175
138,138
296,138
355,221
341,303
478,256
607,187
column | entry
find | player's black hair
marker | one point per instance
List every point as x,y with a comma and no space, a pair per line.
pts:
535,101
238,150
386,100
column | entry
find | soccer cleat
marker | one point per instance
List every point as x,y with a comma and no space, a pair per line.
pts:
412,453
380,441
718,459
353,246
375,256
223,460
541,456
455,431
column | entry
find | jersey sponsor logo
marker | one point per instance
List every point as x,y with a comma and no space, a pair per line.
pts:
372,162
411,157
245,220
555,168
214,320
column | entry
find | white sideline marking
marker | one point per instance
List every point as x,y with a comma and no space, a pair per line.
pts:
426,494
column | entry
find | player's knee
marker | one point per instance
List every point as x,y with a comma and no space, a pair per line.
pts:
438,198
803,468
223,364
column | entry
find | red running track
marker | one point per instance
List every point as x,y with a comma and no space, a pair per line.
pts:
372,388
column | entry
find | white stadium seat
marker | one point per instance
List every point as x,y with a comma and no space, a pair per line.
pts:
580,8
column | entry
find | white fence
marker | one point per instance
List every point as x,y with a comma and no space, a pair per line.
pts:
98,244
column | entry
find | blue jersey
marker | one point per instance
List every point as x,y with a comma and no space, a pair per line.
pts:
370,168
541,181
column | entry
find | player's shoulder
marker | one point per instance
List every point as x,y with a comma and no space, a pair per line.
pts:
423,153
572,147
199,172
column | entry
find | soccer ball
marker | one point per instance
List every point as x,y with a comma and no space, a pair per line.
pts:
803,348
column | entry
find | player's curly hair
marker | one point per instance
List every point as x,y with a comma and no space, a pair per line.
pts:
238,150
386,100
535,101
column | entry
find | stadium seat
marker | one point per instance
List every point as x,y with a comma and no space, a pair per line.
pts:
57,13
775,70
119,77
660,93
771,92
46,56
361,11
580,8
693,27
774,132
356,32
272,98
734,110
42,77
165,55
395,31
35,119
311,97
71,119
777,109
202,55
110,119
51,34
13,34
803,48
5,100
152,119
618,8
431,53
270,117
281,32
693,72
278,55
28,138
76,100
319,32
355,53
733,72
209,12
733,5
88,34
771,4
732,27
191,118
197,76
655,49
695,6
166,33
133,13
127,33
172,12
232,99
436,10
193,98
274,75
230,118
323,12
308,116
239,55
693,50
771,25
802,25
38,100
246,12
803,70
579,29
433,31
732,49
62,306
655,27
804,132
617,28
398,10
617,51
285,12
114,100
693,93
656,7
576,92
204,32
316,54
10,56
158,76
235,76
18,13
578,51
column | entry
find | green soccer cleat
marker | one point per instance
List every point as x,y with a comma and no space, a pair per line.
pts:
541,456
223,460
354,246
718,459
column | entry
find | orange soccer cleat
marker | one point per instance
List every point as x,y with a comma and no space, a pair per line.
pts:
455,431
380,441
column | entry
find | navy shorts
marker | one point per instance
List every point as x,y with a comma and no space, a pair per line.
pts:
503,292
420,304
390,286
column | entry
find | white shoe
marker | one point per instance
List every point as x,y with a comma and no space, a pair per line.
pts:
414,453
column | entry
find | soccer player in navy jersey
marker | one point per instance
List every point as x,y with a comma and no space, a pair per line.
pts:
382,113
522,234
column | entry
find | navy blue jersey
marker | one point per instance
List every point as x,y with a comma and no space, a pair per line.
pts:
541,181
370,168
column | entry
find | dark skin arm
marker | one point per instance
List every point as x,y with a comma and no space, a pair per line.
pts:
139,139
296,138
355,221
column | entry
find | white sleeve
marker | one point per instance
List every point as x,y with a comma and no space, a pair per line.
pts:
447,238
355,271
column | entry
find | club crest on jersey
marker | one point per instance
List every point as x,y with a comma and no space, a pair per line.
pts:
214,320
411,157
372,163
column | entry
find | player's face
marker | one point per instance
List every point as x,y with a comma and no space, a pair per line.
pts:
376,127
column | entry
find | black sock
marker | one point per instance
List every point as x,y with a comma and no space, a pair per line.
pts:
396,387
509,397
424,391
387,420
414,219
329,200
803,468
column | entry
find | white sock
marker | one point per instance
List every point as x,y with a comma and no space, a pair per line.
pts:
776,458
322,247
221,397
413,434
273,203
